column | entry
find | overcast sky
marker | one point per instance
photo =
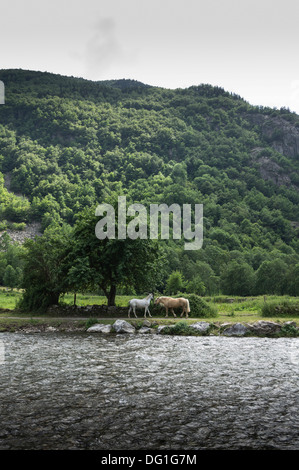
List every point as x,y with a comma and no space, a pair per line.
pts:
249,47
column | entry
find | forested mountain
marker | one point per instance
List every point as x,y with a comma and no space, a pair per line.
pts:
68,143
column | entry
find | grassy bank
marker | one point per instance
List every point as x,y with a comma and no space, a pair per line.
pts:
230,309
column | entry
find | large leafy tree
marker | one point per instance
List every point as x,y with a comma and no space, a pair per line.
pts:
44,273
111,263
271,277
238,278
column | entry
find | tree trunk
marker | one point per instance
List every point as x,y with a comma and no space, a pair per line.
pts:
53,298
111,296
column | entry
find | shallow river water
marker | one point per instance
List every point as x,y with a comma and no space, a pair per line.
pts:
129,392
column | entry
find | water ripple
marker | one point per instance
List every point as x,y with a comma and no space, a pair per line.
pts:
76,391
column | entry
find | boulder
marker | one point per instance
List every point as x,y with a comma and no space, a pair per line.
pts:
51,328
100,328
201,326
145,330
122,326
264,327
238,329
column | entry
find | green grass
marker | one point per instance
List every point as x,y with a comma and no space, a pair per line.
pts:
92,299
9,298
241,310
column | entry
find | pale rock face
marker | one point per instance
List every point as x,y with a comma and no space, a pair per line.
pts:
236,330
122,326
100,328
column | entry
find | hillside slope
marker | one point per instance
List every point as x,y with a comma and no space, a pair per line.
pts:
68,143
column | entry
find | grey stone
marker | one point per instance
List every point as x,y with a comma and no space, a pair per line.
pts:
51,328
236,330
100,328
264,327
160,328
122,326
144,330
201,326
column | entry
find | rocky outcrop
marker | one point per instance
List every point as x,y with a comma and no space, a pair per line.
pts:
31,230
271,171
281,134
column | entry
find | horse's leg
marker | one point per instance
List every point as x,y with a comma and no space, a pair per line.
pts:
184,311
148,311
129,311
166,308
134,310
173,312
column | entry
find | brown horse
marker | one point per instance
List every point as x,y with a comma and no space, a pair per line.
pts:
169,302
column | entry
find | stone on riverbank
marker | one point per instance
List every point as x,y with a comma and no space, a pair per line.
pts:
201,326
146,330
264,327
100,328
238,329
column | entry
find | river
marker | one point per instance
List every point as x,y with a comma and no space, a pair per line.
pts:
130,392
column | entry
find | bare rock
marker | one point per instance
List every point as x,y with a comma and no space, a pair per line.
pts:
122,326
100,328
238,329
264,327
201,326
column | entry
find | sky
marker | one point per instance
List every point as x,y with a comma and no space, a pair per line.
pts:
248,47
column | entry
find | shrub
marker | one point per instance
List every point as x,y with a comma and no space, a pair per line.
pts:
278,309
199,307
180,328
17,226
90,322
289,330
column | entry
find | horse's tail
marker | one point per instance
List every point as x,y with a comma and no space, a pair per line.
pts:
188,306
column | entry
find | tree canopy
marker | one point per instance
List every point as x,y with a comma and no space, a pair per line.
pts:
68,144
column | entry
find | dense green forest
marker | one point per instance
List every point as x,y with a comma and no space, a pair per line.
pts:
68,144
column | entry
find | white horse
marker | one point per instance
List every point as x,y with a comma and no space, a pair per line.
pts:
140,303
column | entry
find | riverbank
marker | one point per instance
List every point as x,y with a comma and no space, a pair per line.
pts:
171,326
237,316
